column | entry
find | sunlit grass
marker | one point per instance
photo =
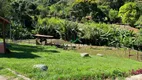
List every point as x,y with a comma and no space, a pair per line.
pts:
63,64
111,51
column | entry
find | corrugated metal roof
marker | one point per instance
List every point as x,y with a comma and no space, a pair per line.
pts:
5,21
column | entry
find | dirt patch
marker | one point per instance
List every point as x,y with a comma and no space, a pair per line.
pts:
3,78
135,77
129,28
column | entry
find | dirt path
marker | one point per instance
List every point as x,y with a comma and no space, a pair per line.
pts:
3,78
18,76
135,77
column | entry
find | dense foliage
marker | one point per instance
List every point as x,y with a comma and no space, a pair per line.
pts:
85,20
87,33
5,8
129,13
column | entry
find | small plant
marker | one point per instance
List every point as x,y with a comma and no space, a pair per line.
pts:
113,15
117,73
139,71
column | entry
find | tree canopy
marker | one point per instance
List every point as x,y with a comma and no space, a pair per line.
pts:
5,8
26,15
129,13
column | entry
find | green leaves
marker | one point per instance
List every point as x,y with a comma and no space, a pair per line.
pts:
92,33
129,13
113,15
58,28
83,9
5,8
23,18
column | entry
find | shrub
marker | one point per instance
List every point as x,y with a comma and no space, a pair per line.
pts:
70,31
136,72
58,28
113,15
139,22
88,33
19,32
138,41
51,26
62,9
105,34
83,8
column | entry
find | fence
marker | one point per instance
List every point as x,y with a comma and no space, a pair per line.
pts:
108,51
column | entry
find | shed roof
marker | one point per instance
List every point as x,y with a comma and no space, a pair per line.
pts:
4,21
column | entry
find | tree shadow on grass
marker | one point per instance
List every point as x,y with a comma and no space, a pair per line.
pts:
25,51
52,51
19,55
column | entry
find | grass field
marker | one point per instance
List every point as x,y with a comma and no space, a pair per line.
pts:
111,51
62,64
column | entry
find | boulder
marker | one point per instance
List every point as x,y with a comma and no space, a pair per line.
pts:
85,55
101,55
42,67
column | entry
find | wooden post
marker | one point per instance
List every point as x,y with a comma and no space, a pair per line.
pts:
129,54
137,55
124,52
3,29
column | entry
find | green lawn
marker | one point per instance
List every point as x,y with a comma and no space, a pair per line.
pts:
111,51
63,64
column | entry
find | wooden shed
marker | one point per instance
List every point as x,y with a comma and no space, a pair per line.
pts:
4,22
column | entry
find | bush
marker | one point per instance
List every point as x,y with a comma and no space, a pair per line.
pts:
62,9
19,32
83,8
136,72
138,41
89,33
113,15
58,28
70,31
105,34
139,22
51,26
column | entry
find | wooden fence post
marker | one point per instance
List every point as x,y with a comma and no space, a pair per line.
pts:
129,54
138,55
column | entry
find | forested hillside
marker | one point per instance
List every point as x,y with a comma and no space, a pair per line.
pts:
93,22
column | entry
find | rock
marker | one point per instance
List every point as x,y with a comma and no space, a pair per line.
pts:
42,67
101,55
84,55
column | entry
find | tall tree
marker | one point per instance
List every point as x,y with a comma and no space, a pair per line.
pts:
114,4
23,12
129,13
83,8
5,8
